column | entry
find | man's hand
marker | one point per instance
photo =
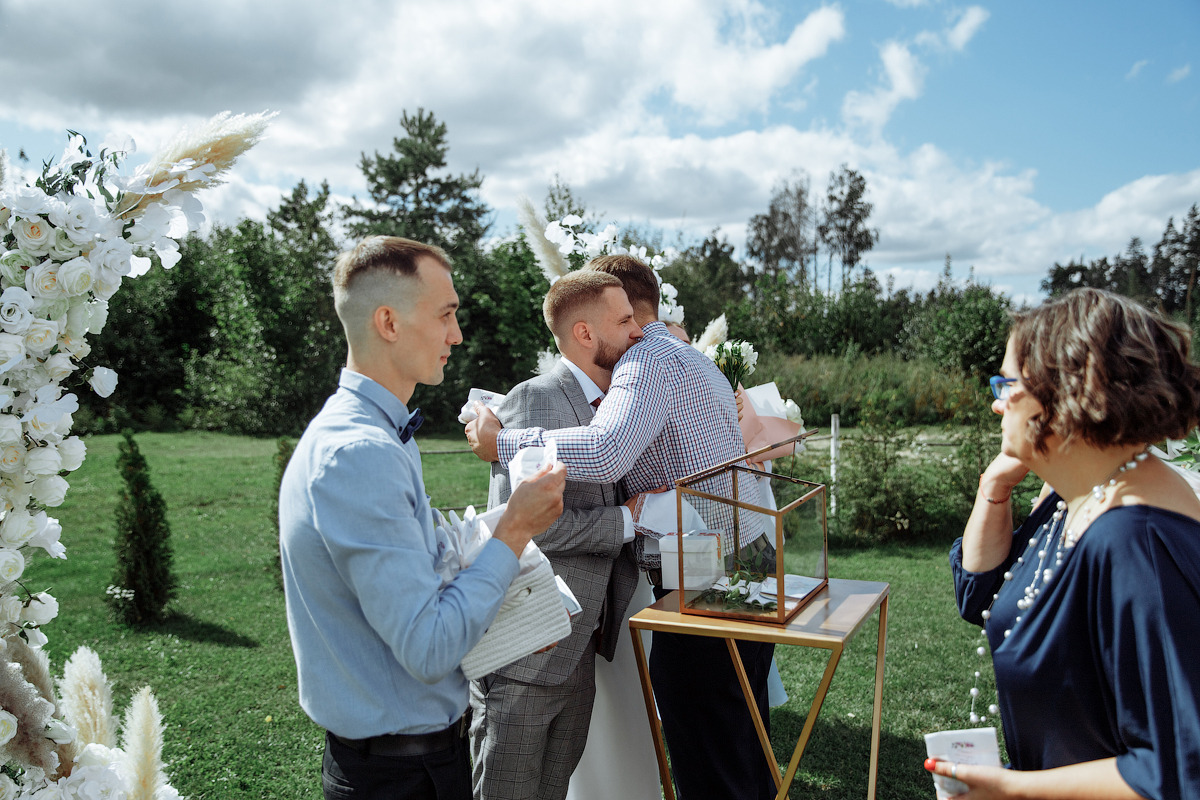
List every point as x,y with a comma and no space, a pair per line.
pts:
631,503
532,508
482,433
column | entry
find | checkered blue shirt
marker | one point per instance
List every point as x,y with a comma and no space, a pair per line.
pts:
669,413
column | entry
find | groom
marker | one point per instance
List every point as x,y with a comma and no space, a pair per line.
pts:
531,718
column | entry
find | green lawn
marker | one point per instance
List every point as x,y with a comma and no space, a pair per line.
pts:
222,666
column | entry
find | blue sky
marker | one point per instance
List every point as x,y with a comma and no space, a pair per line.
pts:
1008,134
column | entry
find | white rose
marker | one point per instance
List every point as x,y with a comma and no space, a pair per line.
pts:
34,235
97,755
35,638
12,457
12,564
17,528
77,218
41,337
50,490
8,789
15,310
49,531
13,265
106,284
8,727
42,418
103,381
10,608
42,280
76,277
77,346
112,257
61,246
59,366
42,461
14,493
72,451
12,351
50,308
29,201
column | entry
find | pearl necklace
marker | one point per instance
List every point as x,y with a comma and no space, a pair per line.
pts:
1066,540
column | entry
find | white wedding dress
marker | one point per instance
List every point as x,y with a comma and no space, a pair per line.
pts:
618,761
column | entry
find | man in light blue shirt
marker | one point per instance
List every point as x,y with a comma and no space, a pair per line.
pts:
378,640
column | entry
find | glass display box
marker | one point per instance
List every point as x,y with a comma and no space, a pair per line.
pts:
726,568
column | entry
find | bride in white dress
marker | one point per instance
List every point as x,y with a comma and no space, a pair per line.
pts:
619,758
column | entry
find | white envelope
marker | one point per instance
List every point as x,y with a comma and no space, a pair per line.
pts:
490,399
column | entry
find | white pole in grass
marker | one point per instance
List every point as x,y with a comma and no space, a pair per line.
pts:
834,446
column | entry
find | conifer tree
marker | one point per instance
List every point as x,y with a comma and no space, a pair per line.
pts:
143,583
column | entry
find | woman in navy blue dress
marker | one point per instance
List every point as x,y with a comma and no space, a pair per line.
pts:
1092,607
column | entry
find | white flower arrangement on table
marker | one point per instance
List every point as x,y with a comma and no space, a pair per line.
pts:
66,243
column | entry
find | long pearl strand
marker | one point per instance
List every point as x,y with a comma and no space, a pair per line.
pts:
1043,574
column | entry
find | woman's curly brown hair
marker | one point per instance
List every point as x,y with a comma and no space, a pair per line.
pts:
1106,370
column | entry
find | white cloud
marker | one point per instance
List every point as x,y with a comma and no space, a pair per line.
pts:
966,27
663,113
1179,73
904,75
1137,67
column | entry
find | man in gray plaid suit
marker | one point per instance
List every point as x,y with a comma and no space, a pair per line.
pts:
531,718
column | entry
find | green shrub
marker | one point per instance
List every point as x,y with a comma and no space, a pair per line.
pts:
143,583
911,392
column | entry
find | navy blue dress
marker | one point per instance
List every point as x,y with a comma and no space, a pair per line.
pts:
1106,662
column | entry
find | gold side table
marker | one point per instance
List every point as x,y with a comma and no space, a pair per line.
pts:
828,621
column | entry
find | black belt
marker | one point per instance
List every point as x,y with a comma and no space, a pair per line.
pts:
408,744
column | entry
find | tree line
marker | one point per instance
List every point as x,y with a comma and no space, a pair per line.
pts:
241,335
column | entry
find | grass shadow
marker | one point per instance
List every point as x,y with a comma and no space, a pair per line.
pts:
188,627
836,762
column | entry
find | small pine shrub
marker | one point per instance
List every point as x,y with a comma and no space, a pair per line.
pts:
143,582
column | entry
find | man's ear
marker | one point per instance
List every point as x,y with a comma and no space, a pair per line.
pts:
386,323
582,333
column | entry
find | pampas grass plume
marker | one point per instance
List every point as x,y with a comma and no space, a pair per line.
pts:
716,332
217,142
87,699
142,742
29,747
35,665
553,265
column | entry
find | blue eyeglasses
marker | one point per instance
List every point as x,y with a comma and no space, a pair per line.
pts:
1001,387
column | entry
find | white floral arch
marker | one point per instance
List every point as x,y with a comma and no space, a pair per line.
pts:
66,243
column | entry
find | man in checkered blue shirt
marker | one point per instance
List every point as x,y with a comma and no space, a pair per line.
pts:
670,413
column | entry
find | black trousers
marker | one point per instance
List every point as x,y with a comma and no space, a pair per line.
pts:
347,774
715,753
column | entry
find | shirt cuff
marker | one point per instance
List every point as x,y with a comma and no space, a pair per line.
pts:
627,521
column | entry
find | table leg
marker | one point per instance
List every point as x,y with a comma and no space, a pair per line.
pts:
660,749
877,717
752,704
835,655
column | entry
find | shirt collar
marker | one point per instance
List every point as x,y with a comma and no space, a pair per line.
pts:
369,389
656,329
590,390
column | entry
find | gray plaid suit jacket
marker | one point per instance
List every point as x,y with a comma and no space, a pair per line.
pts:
585,545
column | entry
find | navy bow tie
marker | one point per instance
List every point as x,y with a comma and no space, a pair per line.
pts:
414,422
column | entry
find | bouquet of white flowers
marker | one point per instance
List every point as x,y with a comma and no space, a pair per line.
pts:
735,359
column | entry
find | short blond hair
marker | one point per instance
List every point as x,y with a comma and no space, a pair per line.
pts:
571,295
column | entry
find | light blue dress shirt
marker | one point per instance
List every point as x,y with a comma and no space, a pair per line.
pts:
378,642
